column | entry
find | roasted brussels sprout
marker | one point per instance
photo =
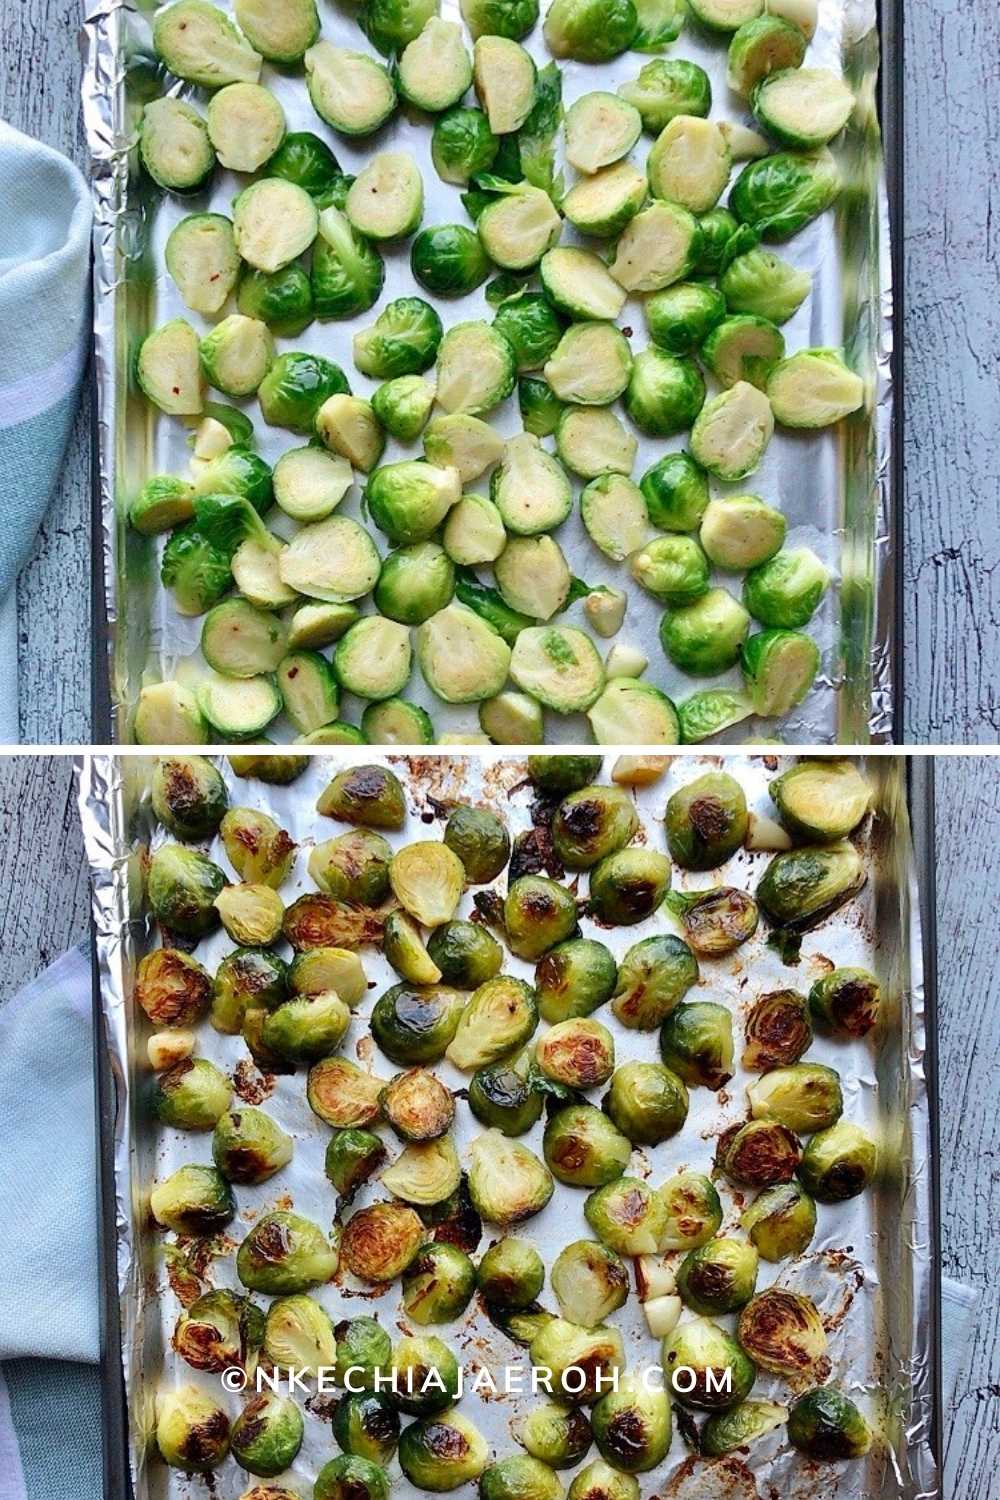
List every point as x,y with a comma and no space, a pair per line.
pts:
172,987
584,1148
499,1018
729,1431
306,1028
258,850
182,886
558,1435
592,823
427,1172
804,1097
317,921
438,1284
247,977
379,1242
715,922
366,1425
405,950
821,800
284,1254
504,1096
351,1477
575,1357
632,1426
519,1477
267,1434
342,1094
838,1163
574,979
416,1023
825,1425
718,1277
778,1030
481,842
653,977
846,1001
192,1095
578,1053
627,1216
590,1282
538,913
465,953
706,821
318,970
425,1375
628,886
758,1154
599,1481
507,1182
298,1335
251,914
219,1330
801,887
783,1333
558,775
192,1429
194,1200
188,796
693,1211
510,1274
368,795
417,1105
364,1349
696,1041
442,1452
705,1366
352,1157
781,1221
647,1102
353,867
427,878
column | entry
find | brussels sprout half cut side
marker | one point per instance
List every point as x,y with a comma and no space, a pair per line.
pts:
349,90
200,44
435,70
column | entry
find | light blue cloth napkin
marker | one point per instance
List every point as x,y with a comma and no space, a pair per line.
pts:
44,337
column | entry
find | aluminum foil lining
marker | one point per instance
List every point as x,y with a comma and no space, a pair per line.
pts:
834,487
869,1268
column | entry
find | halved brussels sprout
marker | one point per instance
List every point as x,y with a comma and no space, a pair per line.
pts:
781,1221
577,1052
281,36
192,1095
200,44
767,44
417,1105
632,1426
512,719
689,163
176,152
294,390
696,1042
743,347
449,260
647,1102
284,1254
578,284
379,1242
846,1001
801,887
409,500
192,1429
653,977
533,576
316,921
476,369
518,224
274,221
783,1333
219,1329
426,1172
729,1431
778,1030
592,31
364,1347
435,70
599,1481
510,1274
591,365
627,1216
499,1018
704,637
438,1284
741,531
600,128
604,204
442,1452
539,406
267,1434
785,591
630,712
821,800
692,1209
425,1375
463,145
705,1366
172,987
507,1182
760,1153
351,1477
182,886
194,1200
676,493
778,195
538,913
246,124
531,326
347,272
465,953
558,775
251,914
575,1357
530,488
583,1148
722,16
715,922
352,1157
168,369
520,1477
480,840
321,969
307,1028
349,90
614,514
665,393
682,316
427,878
415,1024
758,282
403,405
202,258
342,1094
592,823
404,947
368,795
504,1096
386,201
353,867
732,431
706,821
718,1277
558,1435
824,1425
510,18
366,1425
672,568
838,1163
474,531
590,1282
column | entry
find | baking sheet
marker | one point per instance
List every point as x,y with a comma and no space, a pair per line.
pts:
871,1265
835,487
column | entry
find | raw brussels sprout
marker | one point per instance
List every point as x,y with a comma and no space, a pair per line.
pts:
760,1153
741,531
575,1357
591,31
162,503
366,1425
504,76
219,1329
783,1333
267,1434
352,1157
627,1216
781,1221
802,887
481,842
341,1094
675,490
530,488
463,145
499,1018
466,954
510,18
666,89
821,800
505,1098
732,431
590,1282
602,205
592,823
192,1429
194,1200
462,658
722,16
192,1095
744,347
696,1041
577,1052
182,886
168,370
403,341
706,821
632,1426
520,1477
417,1105
647,1102
538,913
531,326
200,44
660,23
175,149
425,1375
402,406
825,1425
601,128
780,194
758,282
630,712
729,1431
476,369
364,1347
238,471
280,299
415,1024
512,719
574,979
379,1242
351,1477
306,160
767,44
838,1163
693,1212
510,1274
718,1277
653,977
347,272
778,1030
558,1435
442,1452
461,442
449,260
391,24
386,199
577,284
705,1366
246,124
201,257
665,393
507,1182
682,316
283,1254
846,1001
584,1148
705,636
415,582
517,224
438,1284
786,591
689,163
349,90
295,388
435,70
473,531
599,1481
591,365
274,221
368,795
671,568
715,922
615,516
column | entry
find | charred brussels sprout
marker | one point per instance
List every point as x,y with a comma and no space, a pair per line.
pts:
574,1358
258,850
627,1216
298,1335
627,887
696,1041
465,953
584,1148
425,1375
277,770
182,887
783,1333
705,1366
267,1435
504,1097
499,1018
192,1430
353,867
590,1282
781,1221
647,1102
558,1435
557,775
481,842
632,1426
593,823
718,1277
846,1001
804,1097
507,1182
366,1425
427,879
821,800
838,1163
379,1242
778,1030
351,1477
758,1154
715,922
706,821
415,1024
510,1274
693,1211
317,921
538,913
728,1431
443,1452
352,1157
364,1348
802,887
219,1329
825,1425
599,1481
438,1284
574,979
192,1095
368,795
418,1106
519,1477
653,977
247,978
188,796
251,914
194,1200
172,987
307,1028
578,1053
285,1253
